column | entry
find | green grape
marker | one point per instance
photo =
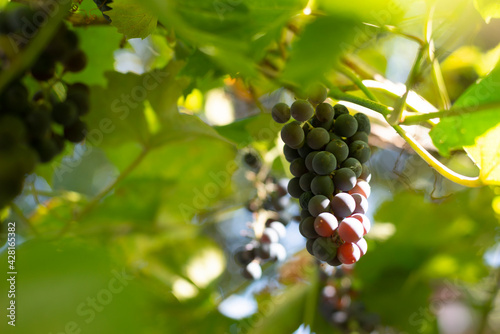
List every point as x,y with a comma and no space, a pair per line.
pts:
298,167
309,246
366,173
333,136
318,204
305,181
359,150
339,149
304,150
65,113
301,110
317,138
290,153
317,93
346,125
340,110
281,112
75,132
304,199
309,160
322,185
354,165
306,228
360,135
363,123
292,134
318,124
324,249
294,187
324,112
344,179
324,163
304,214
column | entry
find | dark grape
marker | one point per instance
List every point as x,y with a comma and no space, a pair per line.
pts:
318,204
78,93
76,61
346,125
64,113
317,93
46,148
263,251
270,235
322,185
12,132
15,97
363,123
298,167
245,255
324,112
76,132
252,271
304,151
361,203
340,110
304,214
38,122
344,179
301,110
343,205
44,68
317,138
351,229
309,160
294,187
339,149
359,150
325,224
324,249
305,181
348,253
366,174
324,163
335,261
354,165
290,153
309,246
252,160
281,112
306,228
305,198
292,134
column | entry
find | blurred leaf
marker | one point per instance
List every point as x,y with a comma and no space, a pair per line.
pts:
132,19
260,127
488,9
486,155
99,43
454,132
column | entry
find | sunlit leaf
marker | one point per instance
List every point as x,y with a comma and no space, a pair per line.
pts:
131,18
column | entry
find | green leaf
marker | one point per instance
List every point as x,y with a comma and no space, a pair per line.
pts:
486,155
455,132
99,43
488,9
132,19
251,129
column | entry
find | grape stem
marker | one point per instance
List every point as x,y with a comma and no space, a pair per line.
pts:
357,81
455,111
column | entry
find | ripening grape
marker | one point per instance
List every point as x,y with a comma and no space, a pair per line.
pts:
346,125
324,163
281,112
290,153
75,132
360,135
64,113
317,138
304,151
322,185
340,110
252,271
325,224
324,249
362,245
304,214
350,229
361,203
294,187
298,167
324,112
354,165
309,246
304,199
335,261
76,61
362,187
366,174
365,221
269,235
339,149
292,134
343,205
363,123
325,125
309,160
360,151
44,68
348,253
305,181
317,93
344,179
301,110
306,228
78,93
318,204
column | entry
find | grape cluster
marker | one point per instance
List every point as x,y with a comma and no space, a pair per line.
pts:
328,149
35,126
269,226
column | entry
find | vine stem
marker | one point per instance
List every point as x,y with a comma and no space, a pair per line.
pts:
357,81
455,111
340,95
436,164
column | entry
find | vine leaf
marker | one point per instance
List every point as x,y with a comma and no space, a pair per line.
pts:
132,19
486,154
488,9
455,132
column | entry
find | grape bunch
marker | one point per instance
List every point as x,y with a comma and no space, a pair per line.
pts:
328,149
269,225
34,126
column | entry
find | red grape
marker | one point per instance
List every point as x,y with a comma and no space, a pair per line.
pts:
361,203
363,246
362,187
348,253
364,221
351,229
325,224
